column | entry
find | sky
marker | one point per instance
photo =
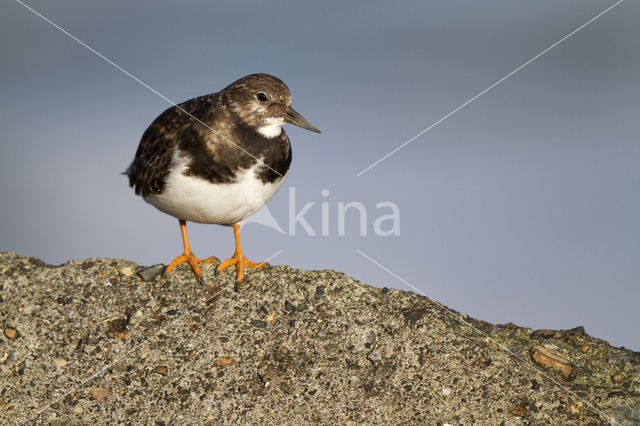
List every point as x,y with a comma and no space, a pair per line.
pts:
520,206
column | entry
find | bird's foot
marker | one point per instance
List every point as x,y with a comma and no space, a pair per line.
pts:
240,261
193,261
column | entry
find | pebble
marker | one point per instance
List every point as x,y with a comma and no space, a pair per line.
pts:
271,318
548,359
584,348
223,360
60,362
151,273
10,333
617,378
519,410
288,306
543,334
375,355
369,338
161,370
127,271
258,323
99,394
575,408
414,315
446,391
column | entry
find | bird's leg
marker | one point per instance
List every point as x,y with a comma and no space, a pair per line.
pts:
238,258
187,256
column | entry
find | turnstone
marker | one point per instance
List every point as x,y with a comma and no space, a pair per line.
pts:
217,159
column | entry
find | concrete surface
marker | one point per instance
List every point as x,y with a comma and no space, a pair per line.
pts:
91,342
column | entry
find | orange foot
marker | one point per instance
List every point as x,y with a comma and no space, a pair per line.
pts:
192,261
238,259
188,257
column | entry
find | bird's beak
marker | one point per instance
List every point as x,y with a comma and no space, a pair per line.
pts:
291,116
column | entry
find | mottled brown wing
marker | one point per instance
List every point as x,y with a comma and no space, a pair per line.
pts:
150,168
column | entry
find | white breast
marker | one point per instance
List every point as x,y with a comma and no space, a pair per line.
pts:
198,200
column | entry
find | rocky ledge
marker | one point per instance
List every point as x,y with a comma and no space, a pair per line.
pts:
92,342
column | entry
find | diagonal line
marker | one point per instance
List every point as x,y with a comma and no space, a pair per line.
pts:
128,74
467,323
136,347
489,88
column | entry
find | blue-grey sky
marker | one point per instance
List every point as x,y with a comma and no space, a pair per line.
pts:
523,206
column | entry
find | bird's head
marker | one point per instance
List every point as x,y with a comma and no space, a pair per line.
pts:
263,102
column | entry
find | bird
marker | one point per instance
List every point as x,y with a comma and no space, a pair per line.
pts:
217,159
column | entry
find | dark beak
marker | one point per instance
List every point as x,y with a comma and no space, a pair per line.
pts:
291,116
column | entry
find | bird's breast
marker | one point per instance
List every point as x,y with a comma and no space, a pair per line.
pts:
196,199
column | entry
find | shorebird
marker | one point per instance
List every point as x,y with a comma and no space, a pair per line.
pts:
218,159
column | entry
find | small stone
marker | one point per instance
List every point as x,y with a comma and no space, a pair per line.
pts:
446,391
543,334
575,408
412,316
10,333
519,410
127,271
117,325
584,348
99,394
548,359
375,355
151,273
77,409
116,335
258,323
60,362
223,361
12,356
271,318
161,370
617,378
369,338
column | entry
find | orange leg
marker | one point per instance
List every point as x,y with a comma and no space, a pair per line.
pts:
238,258
187,256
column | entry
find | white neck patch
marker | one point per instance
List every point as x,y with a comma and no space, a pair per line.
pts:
273,127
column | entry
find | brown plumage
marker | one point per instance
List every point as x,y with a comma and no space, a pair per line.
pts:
217,158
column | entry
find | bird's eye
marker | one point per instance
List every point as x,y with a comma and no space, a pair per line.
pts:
262,97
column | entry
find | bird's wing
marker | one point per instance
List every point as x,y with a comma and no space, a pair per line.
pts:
150,168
